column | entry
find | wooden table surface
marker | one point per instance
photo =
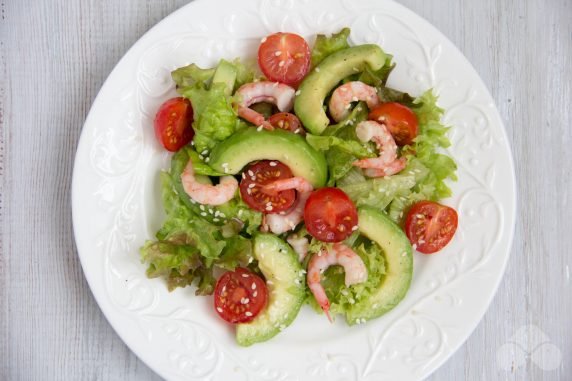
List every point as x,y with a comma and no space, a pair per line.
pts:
54,57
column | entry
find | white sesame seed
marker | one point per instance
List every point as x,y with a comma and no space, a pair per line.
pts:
221,214
277,53
216,219
358,108
211,211
343,89
225,169
269,207
203,214
219,309
252,185
317,70
245,275
355,228
419,216
259,128
216,213
244,301
298,92
297,131
263,40
248,313
253,286
243,176
250,261
224,164
273,164
404,254
255,294
269,282
205,152
281,63
414,246
207,159
201,157
354,99
348,106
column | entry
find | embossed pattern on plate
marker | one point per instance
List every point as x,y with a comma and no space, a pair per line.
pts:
116,203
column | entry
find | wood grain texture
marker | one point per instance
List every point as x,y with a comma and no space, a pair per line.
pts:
54,57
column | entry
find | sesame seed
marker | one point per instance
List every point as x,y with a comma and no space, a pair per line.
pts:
269,282
348,106
355,228
414,246
269,207
404,254
298,92
297,131
201,157
244,301
275,84
250,261
211,211
255,294
358,108
239,213
253,286
354,99
273,164
219,309
216,213
245,275
419,216
277,53
203,214
243,176
205,152
317,70
248,313
225,169
250,173
263,40
193,201
224,164
222,214
252,185
281,63
343,89
249,191
207,159
356,69
259,128
216,219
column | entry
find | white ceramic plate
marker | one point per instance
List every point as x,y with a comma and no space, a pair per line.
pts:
116,204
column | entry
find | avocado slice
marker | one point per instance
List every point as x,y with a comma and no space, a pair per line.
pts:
286,290
249,144
334,68
398,264
225,73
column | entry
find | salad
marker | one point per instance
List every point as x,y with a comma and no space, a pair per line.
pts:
304,179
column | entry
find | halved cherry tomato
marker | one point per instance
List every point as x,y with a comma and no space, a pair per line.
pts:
399,119
173,123
287,121
430,226
252,187
330,215
239,296
284,57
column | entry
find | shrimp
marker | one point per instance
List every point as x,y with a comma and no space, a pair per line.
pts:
387,163
274,92
340,254
279,223
207,193
299,244
344,95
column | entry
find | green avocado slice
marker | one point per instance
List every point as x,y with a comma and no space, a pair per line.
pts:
250,144
398,262
333,69
286,290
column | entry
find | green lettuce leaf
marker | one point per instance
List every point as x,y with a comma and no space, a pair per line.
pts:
191,75
377,78
215,119
325,46
325,143
238,252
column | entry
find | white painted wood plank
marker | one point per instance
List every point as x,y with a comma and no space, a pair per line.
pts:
54,57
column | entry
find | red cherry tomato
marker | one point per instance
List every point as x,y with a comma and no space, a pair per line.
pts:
287,121
399,119
330,215
430,226
173,123
252,187
284,57
239,296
